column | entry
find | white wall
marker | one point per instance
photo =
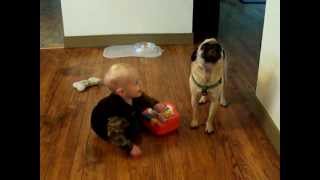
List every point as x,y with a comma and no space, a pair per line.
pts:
106,17
268,85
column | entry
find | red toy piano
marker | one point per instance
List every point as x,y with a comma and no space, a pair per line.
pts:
171,123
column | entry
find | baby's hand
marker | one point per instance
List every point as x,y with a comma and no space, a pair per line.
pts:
155,121
135,151
159,107
162,118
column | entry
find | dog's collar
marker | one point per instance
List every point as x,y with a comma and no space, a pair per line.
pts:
204,88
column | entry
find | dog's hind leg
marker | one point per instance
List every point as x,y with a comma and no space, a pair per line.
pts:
212,113
195,111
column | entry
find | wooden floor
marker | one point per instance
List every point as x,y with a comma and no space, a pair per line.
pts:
69,149
240,32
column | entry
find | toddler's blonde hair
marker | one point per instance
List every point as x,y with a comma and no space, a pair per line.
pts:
119,75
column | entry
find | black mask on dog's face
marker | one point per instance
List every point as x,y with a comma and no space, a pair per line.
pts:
211,52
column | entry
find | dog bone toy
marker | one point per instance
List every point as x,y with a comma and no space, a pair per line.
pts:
83,84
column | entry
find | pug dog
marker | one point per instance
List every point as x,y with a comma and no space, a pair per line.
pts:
207,79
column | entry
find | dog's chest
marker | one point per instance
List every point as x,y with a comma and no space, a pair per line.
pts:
207,77
206,83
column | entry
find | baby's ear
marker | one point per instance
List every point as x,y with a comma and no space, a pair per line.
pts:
194,55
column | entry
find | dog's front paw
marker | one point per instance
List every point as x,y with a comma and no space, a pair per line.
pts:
224,103
203,100
209,128
194,124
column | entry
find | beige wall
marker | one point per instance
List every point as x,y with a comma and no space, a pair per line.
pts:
108,17
268,85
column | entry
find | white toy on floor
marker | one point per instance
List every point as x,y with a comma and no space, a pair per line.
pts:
83,84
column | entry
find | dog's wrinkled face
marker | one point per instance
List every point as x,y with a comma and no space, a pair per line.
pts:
209,51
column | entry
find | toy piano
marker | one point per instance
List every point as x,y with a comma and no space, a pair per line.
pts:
170,123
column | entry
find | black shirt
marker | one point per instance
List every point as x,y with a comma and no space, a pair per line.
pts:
114,105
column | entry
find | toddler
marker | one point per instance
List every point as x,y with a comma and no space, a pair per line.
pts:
118,116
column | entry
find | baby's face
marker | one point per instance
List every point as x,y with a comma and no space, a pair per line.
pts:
133,88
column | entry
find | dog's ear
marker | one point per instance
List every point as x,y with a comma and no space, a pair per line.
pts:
194,55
